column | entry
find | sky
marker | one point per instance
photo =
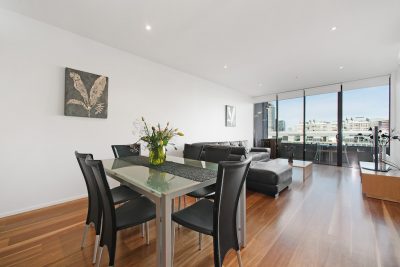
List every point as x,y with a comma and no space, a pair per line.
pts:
371,102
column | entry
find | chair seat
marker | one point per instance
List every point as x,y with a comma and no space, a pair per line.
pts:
135,212
123,193
198,217
208,191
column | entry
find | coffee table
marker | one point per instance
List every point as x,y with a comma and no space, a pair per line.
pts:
307,166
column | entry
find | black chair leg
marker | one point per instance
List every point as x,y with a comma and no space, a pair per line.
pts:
111,254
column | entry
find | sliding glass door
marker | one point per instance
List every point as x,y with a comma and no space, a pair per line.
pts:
363,108
290,127
321,128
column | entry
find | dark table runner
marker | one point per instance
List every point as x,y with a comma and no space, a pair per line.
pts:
198,174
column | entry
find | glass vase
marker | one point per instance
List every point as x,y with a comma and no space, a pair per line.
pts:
382,153
157,155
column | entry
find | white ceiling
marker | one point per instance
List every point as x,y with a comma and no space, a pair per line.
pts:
282,44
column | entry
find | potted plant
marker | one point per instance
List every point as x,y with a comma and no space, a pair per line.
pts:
156,140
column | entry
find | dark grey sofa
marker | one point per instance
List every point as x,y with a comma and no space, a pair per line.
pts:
239,149
265,176
269,177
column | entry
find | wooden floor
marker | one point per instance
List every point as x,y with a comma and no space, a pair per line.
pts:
322,222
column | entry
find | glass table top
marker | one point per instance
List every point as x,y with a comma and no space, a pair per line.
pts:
154,181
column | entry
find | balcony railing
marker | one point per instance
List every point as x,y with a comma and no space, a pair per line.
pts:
327,153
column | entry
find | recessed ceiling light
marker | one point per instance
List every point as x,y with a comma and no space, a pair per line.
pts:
225,66
341,67
333,28
148,27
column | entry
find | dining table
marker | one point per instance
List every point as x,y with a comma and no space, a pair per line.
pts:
162,184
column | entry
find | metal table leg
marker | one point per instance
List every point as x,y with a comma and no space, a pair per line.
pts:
163,221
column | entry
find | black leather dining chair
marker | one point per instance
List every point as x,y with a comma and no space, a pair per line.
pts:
216,153
218,218
119,195
213,154
134,212
121,151
192,151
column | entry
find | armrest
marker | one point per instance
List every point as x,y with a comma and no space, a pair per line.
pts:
260,149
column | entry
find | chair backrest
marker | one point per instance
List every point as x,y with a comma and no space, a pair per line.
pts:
230,180
121,151
108,233
216,153
192,151
94,202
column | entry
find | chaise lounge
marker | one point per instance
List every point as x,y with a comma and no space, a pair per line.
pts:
269,177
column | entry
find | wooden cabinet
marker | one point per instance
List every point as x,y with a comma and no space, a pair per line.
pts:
381,185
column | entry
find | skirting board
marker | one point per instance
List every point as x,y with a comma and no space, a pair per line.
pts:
40,206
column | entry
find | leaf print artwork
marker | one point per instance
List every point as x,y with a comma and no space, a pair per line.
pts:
78,85
99,108
80,100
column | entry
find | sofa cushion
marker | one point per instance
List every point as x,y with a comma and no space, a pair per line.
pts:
259,156
234,143
244,143
216,153
192,151
211,146
238,150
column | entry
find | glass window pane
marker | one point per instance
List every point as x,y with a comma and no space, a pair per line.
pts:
258,123
271,111
362,109
321,128
290,127
264,122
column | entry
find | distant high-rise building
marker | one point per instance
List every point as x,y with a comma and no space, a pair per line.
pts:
281,125
272,117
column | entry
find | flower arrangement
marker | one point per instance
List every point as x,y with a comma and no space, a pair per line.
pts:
156,140
384,138
383,141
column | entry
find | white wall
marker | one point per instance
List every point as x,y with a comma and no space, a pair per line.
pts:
395,146
37,141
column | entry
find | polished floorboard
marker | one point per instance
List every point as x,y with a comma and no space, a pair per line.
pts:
323,222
